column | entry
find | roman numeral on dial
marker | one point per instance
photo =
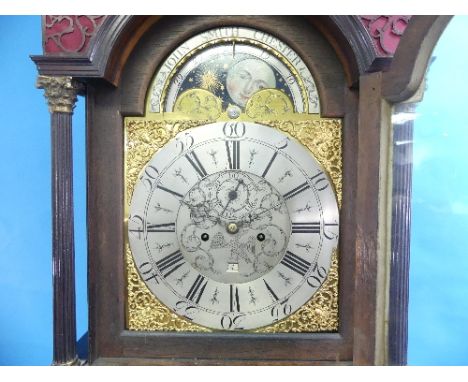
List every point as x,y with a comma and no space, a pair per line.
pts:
272,293
233,154
148,273
320,181
296,263
308,227
196,164
170,191
170,263
234,298
296,191
166,227
196,291
269,164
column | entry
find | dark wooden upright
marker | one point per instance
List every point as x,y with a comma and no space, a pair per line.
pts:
61,93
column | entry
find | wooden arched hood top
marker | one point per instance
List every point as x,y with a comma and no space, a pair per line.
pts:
88,47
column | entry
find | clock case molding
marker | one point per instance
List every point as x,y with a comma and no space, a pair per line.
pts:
354,84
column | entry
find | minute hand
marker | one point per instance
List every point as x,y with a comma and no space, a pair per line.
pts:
234,197
255,216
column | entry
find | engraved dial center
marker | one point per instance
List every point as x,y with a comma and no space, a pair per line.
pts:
243,223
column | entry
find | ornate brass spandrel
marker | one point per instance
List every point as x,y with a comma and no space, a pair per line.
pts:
146,136
323,138
144,311
143,138
320,314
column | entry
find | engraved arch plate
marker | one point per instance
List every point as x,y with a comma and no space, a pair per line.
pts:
234,63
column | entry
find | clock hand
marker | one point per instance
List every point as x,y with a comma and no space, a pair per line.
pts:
253,217
232,195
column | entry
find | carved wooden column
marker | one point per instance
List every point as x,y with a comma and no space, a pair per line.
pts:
61,94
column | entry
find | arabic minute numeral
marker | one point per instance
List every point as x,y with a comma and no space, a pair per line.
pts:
149,177
186,309
234,129
231,321
327,233
185,142
280,311
316,280
147,272
135,225
320,181
281,145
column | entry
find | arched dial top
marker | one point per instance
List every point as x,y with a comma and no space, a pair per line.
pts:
232,64
232,225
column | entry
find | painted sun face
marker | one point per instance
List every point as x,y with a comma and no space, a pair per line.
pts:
246,77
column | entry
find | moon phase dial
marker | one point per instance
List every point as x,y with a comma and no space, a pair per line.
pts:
243,231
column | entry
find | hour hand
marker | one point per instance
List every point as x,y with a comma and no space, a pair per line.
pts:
251,217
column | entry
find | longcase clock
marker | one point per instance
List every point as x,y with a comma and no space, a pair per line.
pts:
238,184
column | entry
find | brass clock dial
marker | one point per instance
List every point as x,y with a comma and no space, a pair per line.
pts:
233,225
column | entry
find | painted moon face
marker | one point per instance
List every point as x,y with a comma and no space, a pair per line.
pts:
246,77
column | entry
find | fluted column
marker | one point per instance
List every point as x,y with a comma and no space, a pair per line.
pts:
61,94
401,235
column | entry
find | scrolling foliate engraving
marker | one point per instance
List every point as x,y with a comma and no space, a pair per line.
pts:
232,78
320,314
323,138
144,312
144,138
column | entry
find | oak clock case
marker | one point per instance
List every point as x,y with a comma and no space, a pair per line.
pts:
233,183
